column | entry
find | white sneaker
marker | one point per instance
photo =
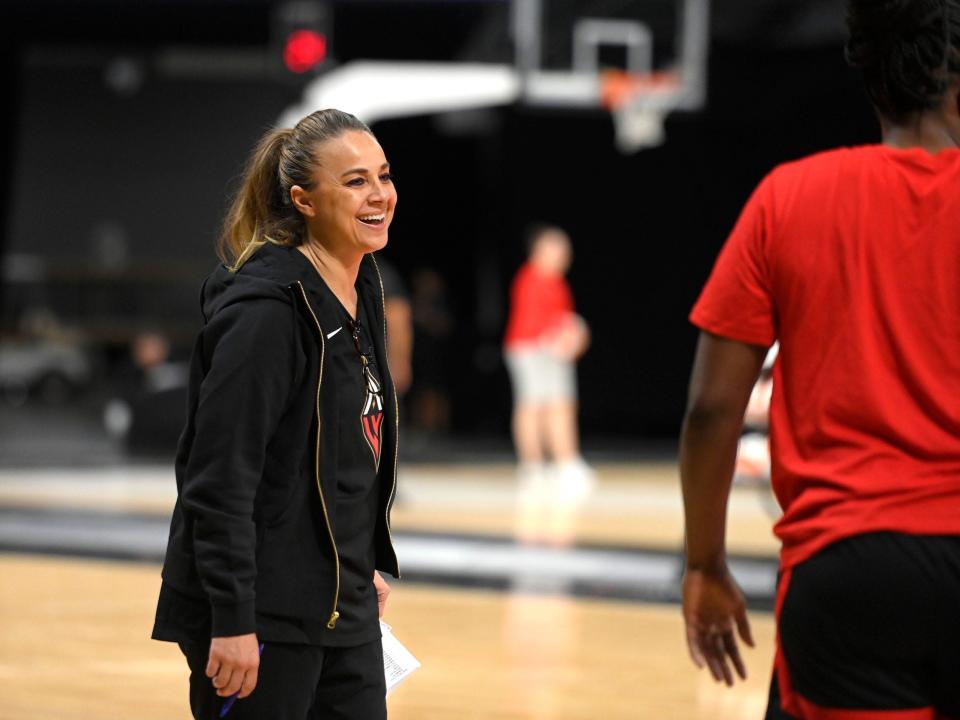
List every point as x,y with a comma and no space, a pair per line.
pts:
574,481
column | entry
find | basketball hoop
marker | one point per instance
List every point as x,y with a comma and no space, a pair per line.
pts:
639,104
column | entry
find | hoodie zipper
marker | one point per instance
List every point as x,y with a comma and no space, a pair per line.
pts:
335,614
396,417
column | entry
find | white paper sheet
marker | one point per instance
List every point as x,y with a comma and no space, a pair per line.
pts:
398,662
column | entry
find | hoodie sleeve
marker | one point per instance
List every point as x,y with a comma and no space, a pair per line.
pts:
248,351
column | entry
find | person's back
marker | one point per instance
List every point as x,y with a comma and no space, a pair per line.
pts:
851,259
858,250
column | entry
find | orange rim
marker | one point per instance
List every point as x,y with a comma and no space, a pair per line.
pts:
617,87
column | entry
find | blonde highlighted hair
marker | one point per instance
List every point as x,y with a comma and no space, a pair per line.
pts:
262,211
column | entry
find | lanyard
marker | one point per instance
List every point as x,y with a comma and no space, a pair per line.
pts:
373,385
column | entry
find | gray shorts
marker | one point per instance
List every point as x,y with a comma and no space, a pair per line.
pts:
538,376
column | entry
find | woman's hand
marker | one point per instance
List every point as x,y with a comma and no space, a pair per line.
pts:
712,607
233,664
383,591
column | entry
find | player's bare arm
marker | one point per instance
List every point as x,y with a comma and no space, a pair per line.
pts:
714,609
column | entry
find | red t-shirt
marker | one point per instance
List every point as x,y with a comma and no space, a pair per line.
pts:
851,259
539,303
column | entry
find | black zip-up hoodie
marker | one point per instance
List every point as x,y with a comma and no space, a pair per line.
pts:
252,529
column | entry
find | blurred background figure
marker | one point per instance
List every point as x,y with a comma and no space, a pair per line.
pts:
149,397
399,315
543,341
432,328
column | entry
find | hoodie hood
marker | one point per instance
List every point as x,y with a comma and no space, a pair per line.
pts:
269,274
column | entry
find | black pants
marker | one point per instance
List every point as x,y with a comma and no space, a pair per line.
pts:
872,623
299,682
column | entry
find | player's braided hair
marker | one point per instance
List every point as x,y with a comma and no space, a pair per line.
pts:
907,50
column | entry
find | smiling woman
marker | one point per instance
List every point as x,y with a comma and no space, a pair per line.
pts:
347,205
293,172
270,583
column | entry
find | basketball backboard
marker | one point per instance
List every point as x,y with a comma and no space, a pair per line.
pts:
639,59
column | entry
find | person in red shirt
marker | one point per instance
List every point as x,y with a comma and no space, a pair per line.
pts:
851,260
543,340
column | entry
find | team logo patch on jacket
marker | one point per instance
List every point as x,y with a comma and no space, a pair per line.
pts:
372,416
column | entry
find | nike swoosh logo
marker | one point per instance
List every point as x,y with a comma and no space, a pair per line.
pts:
330,335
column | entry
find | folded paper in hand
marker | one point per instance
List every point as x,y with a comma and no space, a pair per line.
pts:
398,663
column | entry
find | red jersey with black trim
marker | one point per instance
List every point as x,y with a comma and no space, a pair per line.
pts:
539,304
851,259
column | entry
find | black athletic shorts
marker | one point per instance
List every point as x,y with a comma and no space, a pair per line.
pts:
869,629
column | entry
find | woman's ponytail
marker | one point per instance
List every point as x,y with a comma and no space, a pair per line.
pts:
255,210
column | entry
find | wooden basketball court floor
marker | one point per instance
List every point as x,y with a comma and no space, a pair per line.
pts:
73,631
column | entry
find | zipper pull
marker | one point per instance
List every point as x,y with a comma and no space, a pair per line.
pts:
332,622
